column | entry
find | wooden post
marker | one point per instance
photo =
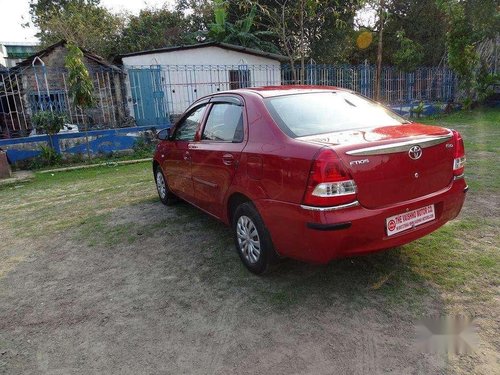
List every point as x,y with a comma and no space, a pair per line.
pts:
378,73
5,171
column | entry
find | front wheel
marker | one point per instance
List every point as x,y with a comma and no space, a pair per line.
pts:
166,196
252,239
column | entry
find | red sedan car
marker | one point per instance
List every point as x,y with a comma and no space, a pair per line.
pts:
310,173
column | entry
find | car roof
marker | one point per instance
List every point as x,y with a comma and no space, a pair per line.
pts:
270,91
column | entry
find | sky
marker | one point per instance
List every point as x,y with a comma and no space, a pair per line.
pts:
13,13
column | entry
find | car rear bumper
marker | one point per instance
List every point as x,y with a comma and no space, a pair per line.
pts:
319,236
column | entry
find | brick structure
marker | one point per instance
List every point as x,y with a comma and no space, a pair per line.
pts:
40,83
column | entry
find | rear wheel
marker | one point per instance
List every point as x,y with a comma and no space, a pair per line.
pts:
252,239
166,196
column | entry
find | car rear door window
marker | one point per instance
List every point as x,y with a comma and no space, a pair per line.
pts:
186,130
224,123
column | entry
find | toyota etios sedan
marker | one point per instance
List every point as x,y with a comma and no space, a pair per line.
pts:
310,173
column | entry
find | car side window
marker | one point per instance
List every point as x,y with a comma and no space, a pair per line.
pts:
224,123
186,130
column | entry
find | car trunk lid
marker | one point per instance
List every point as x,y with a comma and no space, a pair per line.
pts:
393,164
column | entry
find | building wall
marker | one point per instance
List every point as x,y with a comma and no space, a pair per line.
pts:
3,55
187,75
21,51
107,87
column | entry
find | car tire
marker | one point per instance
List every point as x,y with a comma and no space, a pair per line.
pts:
252,239
166,196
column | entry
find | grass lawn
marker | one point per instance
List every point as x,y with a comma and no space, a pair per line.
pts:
461,256
109,208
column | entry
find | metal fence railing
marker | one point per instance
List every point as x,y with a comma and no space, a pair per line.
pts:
24,92
152,95
177,86
427,84
172,88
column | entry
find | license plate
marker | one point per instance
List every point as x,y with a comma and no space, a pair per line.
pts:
410,219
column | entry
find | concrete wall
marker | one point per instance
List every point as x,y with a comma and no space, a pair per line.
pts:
3,55
12,53
5,60
100,142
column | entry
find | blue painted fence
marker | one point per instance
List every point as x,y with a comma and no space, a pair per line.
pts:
100,142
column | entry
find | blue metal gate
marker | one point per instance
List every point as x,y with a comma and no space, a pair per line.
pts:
148,97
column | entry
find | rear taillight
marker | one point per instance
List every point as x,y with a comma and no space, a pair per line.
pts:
459,154
329,184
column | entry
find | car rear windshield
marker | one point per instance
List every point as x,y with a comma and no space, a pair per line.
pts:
300,115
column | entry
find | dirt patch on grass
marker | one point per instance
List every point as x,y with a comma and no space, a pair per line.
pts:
179,301
482,205
142,214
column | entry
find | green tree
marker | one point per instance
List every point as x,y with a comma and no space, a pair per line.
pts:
81,88
199,13
335,35
155,28
417,27
462,55
318,29
40,10
287,19
410,54
83,22
469,22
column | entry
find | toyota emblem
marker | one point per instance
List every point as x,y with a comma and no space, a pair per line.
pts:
415,152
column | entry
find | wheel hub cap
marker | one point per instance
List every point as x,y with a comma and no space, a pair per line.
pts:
160,184
248,239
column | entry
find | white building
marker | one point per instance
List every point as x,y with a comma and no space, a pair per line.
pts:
166,81
13,52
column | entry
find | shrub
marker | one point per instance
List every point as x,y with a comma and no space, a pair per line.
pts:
144,145
484,83
48,122
418,110
47,157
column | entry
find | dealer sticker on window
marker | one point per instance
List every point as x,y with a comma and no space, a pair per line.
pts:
410,219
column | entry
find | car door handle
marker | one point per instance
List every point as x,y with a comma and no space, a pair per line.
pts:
228,159
187,155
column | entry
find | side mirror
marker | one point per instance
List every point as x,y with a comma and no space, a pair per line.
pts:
163,134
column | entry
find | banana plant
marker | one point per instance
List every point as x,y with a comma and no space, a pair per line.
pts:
240,32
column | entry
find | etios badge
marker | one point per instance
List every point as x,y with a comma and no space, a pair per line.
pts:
359,162
415,152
